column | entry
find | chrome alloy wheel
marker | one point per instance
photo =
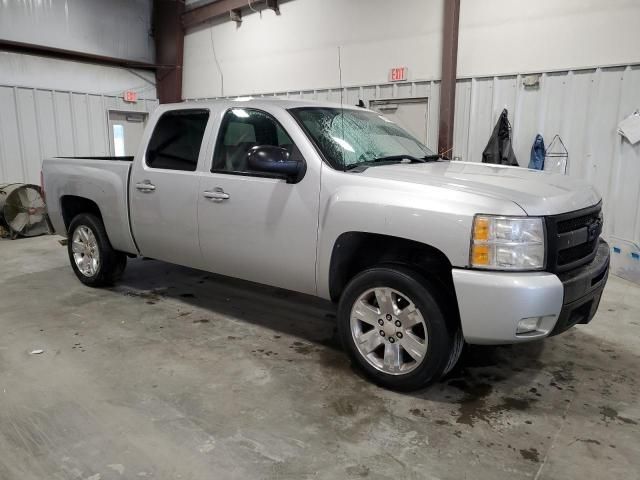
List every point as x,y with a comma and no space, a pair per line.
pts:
389,331
85,249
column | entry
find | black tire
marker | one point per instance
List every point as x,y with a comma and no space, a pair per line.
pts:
112,262
443,334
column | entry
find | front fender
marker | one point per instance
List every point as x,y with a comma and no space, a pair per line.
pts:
435,216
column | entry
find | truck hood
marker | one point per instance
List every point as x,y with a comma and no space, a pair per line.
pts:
536,192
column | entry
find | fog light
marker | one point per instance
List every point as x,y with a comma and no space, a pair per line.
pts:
528,325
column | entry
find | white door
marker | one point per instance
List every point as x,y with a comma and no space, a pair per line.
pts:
256,226
411,114
164,189
125,132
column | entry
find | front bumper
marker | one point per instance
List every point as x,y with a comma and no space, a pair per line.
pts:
492,303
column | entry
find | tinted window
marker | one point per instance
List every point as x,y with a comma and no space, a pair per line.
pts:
176,140
241,130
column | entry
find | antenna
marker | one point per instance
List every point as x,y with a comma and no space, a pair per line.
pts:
344,165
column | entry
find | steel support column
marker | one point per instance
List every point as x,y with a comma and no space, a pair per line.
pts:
448,84
169,40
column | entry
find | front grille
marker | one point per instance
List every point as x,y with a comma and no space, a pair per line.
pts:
573,254
572,238
565,226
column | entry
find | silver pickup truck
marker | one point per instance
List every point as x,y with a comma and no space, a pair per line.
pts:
420,254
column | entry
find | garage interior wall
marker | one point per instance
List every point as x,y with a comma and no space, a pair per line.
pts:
585,53
114,28
52,107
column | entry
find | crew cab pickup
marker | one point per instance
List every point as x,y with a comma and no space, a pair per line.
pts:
420,254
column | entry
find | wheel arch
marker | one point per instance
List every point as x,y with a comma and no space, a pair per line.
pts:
73,205
355,251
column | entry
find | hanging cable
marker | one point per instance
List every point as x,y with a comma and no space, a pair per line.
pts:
215,59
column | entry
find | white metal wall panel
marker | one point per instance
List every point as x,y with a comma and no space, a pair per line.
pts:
63,121
46,123
11,148
37,123
28,132
583,106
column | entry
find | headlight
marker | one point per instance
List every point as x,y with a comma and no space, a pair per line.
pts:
507,243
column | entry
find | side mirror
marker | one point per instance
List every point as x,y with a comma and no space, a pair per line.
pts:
272,159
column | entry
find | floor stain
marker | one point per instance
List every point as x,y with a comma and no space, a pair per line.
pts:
530,454
361,471
302,348
588,440
474,405
611,415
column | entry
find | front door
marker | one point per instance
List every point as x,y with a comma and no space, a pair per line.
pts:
253,226
164,186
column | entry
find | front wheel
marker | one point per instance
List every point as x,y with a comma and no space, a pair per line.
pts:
93,259
394,329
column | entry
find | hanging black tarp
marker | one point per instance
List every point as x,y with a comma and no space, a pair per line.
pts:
499,149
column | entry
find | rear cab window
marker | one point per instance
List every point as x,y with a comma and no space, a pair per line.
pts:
176,140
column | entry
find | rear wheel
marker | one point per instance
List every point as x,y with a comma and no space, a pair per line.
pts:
92,257
395,330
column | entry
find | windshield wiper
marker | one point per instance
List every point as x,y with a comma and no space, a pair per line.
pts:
399,158
393,159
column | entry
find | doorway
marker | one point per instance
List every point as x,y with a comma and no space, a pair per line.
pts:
125,132
410,113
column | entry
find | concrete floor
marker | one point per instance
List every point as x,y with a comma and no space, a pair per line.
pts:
175,373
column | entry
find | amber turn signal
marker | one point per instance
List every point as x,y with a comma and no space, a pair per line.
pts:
480,254
481,229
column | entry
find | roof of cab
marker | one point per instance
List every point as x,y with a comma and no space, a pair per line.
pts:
257,102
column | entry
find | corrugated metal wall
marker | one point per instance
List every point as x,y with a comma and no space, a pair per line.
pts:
582,106
36,123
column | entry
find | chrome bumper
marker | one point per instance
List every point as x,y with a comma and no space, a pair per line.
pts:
492,303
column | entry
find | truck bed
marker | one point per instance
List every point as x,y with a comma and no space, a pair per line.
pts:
117,159
102,180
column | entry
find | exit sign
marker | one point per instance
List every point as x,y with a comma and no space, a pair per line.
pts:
398,74
130,96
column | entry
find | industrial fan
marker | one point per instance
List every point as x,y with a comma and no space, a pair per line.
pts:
23,210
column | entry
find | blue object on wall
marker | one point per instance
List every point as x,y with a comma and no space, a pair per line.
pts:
536,160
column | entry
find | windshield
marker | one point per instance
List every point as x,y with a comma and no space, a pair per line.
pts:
348,138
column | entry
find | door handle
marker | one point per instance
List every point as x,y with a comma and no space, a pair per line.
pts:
145,186
217,195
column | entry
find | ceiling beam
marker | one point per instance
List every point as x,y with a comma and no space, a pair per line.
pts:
202,14
45,51
199,15
448,83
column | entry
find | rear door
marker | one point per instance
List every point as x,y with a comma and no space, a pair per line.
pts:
164,188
